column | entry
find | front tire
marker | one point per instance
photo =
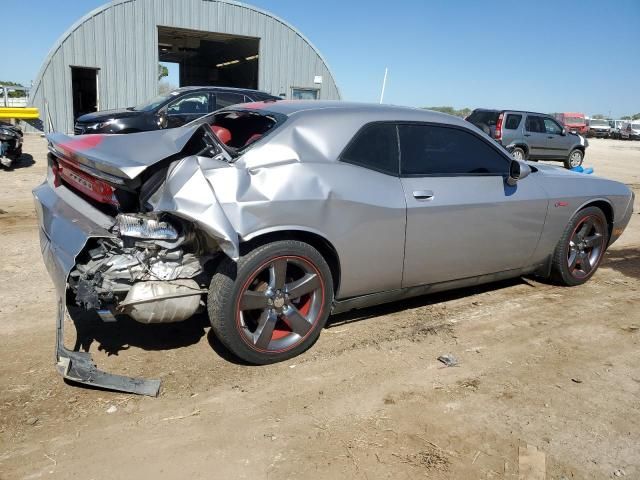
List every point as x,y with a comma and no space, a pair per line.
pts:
581,248
574,159
272,304
518,154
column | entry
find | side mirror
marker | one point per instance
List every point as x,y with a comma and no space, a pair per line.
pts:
161,118
563,132
517,171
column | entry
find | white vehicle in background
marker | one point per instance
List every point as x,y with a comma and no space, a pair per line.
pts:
615,125
598,128
630,130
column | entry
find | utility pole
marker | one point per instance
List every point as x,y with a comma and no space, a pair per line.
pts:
384,84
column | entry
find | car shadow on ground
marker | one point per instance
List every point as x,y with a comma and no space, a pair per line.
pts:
112,338
625,260
421,301
25,161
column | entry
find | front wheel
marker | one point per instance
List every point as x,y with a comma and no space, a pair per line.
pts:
574,159
518,154
272,304
581,248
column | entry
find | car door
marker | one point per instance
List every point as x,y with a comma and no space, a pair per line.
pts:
187,108
557,144
536,136
463,220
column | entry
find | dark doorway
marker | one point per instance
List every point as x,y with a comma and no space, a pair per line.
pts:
210,59
84,84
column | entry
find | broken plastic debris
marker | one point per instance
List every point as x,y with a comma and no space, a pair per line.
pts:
449,360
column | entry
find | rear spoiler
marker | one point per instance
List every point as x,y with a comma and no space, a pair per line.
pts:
123,156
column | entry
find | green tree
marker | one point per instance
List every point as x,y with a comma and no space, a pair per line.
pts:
15,93
598,116
626,117
463,112
636,116
162,72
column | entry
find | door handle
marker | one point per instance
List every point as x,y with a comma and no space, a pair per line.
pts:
424,195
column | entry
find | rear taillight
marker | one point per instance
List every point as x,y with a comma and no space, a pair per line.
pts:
498,134
92,187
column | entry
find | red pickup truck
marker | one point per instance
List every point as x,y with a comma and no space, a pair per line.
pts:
573,122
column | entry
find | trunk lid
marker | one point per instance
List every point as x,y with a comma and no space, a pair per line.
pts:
121,156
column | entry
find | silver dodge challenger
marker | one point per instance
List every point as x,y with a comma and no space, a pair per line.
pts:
274,215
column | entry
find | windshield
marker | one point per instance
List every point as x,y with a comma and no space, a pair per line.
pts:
574,120
155,103
599,123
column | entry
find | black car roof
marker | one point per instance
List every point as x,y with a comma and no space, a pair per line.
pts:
225,89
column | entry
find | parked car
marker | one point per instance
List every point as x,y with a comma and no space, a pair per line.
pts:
175,109
573,122
10,144
278,214
598,128
615,125
630,130
531,136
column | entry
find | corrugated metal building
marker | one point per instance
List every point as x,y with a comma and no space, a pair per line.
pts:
110,57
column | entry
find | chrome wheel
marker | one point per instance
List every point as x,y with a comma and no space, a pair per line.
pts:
280,304
586,246
575,160
518,155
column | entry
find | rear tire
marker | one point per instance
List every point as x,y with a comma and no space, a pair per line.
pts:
272,304
581,248
575,159
519,154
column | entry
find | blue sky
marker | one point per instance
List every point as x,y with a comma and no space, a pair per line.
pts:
544,55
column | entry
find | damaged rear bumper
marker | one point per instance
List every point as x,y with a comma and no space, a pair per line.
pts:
64,232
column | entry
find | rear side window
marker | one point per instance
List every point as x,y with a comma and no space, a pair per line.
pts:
535,124
238,129
513,121
374,147
435,150
484,117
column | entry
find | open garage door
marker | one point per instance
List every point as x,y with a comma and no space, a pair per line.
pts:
210,59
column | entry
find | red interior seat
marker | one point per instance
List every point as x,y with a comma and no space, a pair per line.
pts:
223,134
253,138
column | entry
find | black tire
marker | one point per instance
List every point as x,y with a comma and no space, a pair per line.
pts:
561,271
521,152
570,162
254,274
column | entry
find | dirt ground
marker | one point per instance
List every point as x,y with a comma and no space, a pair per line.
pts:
554,368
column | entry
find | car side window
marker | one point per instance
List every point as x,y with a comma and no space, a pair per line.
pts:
374,147
551,127
535,124
513,121
224,99
437,150
193,104
197,103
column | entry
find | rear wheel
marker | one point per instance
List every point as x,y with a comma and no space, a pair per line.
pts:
518,154
574,159
581,248
272,304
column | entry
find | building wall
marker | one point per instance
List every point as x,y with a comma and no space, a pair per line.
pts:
121,39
